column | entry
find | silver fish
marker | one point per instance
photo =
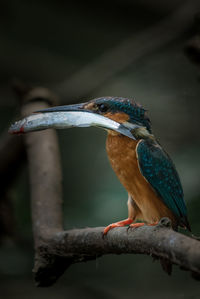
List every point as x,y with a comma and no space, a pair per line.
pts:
68,119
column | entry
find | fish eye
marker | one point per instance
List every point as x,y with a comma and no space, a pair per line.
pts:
103,107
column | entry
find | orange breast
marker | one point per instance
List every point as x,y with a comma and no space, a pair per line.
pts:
122,155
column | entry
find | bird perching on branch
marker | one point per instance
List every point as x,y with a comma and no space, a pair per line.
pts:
142,166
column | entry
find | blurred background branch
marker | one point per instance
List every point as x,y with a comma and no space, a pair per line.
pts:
13,156
128,52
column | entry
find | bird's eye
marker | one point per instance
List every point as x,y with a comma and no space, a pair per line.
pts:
103,107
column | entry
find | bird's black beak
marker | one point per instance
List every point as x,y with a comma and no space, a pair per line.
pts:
65,108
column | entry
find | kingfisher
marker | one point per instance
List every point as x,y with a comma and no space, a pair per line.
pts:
143,167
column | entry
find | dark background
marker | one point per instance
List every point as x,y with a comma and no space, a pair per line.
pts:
63,45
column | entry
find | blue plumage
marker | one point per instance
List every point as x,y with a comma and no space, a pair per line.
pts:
159,170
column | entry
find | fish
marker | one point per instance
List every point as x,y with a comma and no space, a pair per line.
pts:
64,120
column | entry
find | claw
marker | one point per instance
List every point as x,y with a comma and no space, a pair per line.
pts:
136,225
153,224
117,224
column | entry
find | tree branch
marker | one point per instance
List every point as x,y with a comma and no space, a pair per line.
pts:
45,178
80,245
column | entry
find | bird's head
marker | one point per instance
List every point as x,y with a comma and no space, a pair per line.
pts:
122,110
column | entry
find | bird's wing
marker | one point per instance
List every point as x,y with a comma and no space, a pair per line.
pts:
159,170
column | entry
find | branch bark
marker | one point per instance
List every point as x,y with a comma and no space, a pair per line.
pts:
56,249
45,178
81,245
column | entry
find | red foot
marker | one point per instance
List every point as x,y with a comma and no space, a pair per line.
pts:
117,224
153,224
135,225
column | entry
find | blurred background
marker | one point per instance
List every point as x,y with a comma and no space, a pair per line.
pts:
147,50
